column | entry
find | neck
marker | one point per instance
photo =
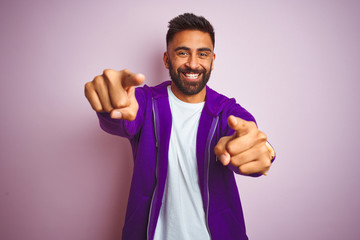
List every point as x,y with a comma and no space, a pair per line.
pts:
196,98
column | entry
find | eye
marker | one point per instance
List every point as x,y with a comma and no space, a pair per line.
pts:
182,53
203,54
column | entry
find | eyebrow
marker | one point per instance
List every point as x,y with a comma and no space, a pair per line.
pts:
204,49
188,49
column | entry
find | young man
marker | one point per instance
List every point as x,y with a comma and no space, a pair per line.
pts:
187,141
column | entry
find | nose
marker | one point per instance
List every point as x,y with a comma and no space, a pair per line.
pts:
192,62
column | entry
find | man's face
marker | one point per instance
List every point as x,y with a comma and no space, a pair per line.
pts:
189,58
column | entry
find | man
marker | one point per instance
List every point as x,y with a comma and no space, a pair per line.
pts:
187,141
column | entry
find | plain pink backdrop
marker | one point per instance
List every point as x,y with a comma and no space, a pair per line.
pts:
293,64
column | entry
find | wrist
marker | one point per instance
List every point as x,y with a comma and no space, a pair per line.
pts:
271,150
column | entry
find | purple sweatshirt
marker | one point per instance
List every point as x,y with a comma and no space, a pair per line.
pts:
149,135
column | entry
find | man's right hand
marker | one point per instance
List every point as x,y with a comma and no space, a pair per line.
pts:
114,92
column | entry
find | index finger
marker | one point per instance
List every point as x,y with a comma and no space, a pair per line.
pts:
240,126
129,79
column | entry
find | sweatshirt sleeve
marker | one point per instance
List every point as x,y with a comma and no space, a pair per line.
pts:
124,128
238,111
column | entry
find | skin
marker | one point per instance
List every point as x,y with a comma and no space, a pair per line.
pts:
190,50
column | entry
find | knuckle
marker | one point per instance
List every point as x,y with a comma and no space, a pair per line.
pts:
217,149
234,161
107,109
265,161
88,87
243,125
262,136
132,116
231,147
126,71
108,72
110,76
98,81
97,108
121,103
267,164
244,170
264,150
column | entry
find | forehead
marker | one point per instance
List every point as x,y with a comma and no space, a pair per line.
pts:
192,39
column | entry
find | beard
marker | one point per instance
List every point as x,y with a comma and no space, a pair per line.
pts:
189,87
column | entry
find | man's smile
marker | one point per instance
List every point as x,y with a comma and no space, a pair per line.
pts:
191,76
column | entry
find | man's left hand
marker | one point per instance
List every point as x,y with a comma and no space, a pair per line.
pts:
246,149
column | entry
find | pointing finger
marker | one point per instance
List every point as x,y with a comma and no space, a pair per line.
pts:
241,126
130,79
121,86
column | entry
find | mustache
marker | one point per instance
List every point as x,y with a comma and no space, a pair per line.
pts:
190,70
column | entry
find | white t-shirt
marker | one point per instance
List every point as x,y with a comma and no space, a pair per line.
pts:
182,214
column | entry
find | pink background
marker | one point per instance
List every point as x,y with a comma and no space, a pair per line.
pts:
293,64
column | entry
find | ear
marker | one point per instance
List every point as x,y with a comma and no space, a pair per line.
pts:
213,60
166,60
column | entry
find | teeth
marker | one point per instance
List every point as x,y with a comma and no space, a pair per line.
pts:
192,76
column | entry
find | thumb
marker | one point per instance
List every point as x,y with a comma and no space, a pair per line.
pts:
225,159
128,113
132,79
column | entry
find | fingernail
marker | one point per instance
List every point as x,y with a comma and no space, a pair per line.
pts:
224,159
116,114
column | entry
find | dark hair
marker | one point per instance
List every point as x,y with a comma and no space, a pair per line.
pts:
189,21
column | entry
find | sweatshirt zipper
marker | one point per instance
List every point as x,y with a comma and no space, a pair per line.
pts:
154,109
208,142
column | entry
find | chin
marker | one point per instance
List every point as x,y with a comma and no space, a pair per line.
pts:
190,87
